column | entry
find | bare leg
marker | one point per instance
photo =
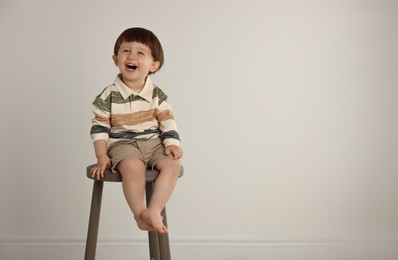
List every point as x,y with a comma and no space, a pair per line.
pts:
133,173
169,170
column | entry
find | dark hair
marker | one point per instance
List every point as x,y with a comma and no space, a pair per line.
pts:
143,36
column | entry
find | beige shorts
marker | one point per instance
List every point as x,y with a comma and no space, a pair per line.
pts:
149,151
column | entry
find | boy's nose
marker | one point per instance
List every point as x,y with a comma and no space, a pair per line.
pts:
131,56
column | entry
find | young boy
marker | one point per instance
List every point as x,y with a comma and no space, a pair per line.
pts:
134,128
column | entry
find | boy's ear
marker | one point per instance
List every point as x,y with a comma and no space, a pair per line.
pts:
114,58
155,66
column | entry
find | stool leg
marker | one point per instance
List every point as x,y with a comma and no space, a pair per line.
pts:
164,243
154,251
92,234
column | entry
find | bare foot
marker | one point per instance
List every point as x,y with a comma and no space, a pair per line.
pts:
154,219
143,225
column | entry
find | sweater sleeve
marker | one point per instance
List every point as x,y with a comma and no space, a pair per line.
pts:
101,123
167,122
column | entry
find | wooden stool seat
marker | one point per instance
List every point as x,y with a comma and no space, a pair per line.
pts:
159,246
150,175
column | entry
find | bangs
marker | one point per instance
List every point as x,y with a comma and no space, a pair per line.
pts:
143,38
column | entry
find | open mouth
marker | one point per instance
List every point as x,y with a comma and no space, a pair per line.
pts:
131,66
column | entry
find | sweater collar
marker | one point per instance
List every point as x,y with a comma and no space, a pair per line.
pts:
145,93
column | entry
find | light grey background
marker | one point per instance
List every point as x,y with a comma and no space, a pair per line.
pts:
287,111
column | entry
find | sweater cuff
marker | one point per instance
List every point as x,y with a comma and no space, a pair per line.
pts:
100,136
171,141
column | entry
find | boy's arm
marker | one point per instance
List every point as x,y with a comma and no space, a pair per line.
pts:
168,127
100,133
103,160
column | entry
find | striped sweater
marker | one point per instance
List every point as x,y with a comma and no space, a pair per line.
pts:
121,116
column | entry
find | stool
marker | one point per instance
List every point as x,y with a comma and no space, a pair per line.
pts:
159,245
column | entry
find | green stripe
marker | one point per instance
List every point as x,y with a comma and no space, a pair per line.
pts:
157,92
116,98
102,104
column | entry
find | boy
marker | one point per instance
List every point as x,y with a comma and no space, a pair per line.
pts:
134,128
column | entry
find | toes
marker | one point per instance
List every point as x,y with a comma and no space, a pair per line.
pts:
164,230
155,220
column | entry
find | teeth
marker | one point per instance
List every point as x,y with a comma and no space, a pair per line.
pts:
131,66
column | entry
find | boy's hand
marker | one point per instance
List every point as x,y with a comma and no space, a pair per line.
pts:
175,151
103,161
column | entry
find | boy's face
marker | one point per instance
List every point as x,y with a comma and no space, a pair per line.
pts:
135,61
